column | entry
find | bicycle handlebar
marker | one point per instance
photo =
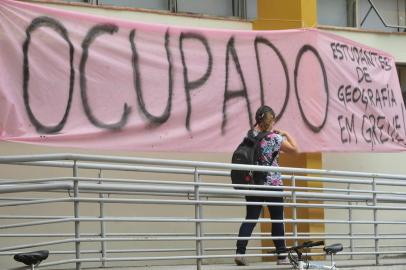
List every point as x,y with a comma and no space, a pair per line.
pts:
299,247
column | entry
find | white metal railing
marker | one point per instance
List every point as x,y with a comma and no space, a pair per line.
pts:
365,211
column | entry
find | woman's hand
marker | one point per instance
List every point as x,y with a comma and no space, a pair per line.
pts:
280,132
288,145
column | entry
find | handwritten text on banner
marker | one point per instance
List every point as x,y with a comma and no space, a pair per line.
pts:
77,80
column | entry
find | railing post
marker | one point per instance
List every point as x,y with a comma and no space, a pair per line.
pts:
198,216
350,229
294,209
376,233
76,214
102,223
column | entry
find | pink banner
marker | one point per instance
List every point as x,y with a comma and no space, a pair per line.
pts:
75,80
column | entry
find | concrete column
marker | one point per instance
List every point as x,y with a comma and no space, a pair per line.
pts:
279,15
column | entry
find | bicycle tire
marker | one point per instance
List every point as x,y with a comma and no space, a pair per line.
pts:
293,260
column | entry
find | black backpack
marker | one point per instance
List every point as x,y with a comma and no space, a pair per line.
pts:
248,152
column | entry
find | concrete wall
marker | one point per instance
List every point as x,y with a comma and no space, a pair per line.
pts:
111,210
391,163
160,17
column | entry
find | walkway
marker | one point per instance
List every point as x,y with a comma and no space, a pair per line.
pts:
387,264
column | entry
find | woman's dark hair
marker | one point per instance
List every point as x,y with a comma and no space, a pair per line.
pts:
261,112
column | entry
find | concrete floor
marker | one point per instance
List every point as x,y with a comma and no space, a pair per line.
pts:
386,264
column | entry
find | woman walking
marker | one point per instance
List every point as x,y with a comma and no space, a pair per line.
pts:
275,142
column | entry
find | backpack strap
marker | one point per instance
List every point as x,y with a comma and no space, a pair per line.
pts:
261,135
274,154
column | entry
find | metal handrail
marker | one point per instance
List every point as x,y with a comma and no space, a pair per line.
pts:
187,163
352,191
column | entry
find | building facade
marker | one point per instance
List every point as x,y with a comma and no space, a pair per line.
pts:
376,23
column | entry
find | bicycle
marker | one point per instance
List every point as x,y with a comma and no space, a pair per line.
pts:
300,262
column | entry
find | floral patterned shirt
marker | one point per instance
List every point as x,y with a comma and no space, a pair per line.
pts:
270,144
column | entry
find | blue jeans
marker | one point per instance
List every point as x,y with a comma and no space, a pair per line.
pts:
253,212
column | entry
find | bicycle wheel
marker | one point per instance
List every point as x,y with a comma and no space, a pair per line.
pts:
293,260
